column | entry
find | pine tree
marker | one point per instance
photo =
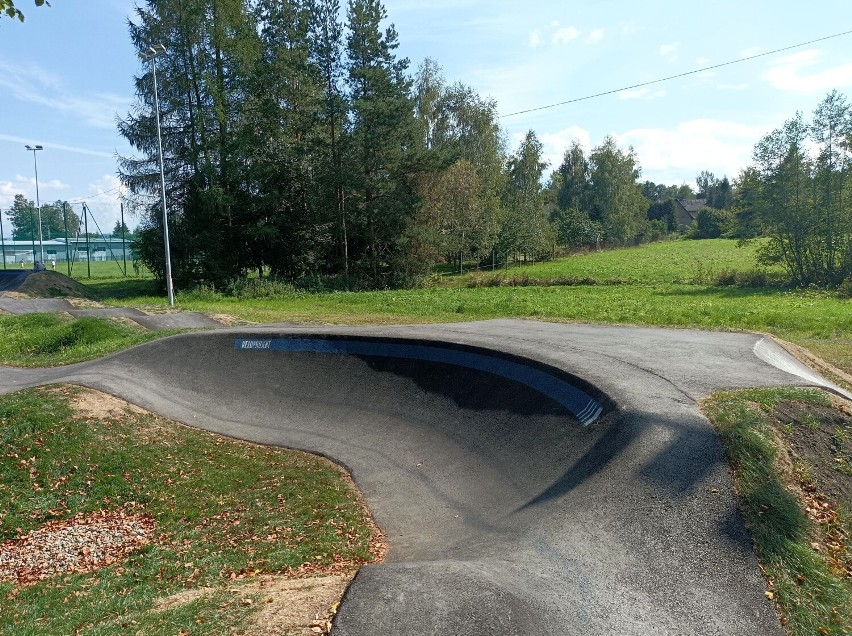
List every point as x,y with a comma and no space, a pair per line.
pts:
211,45
383,134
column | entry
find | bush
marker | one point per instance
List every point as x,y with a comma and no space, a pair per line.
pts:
259,288
711,223
731,277
844,289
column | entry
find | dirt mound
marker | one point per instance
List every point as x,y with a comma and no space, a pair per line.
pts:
51,284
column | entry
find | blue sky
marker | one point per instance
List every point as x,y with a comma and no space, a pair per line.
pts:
67,73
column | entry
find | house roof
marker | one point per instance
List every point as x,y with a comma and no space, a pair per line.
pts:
693,205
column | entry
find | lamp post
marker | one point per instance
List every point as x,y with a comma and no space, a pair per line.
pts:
38,203
151,53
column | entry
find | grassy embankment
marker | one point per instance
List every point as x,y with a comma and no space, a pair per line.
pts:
36,340
263,510
791,457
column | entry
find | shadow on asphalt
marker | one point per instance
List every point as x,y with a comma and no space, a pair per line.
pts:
470,388
685,460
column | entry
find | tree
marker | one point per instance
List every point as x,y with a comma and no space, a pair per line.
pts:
783,201
429,91
574,179
684,192
571,184
615,198
8,7
526,228
800,200
120,229
706,182
456,124
452,212
213,45
663,211
723,196
326,44
711,223
383,134
291,193
831,130
54,217
24,217
745,224
716,192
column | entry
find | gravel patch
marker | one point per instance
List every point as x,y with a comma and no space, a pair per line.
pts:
82,544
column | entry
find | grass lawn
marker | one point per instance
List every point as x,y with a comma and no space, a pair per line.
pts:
221,515
103,270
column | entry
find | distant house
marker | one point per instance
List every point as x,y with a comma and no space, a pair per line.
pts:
686,212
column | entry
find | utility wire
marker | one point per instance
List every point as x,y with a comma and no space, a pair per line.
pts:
671,77
93,196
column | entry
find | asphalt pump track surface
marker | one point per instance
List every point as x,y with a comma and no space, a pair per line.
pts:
531,478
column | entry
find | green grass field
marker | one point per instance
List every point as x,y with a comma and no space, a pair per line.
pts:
679,261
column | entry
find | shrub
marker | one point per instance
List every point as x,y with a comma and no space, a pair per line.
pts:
844,289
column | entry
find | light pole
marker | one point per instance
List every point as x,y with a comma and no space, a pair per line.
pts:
38,203
151,53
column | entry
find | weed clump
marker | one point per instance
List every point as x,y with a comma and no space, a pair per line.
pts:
733,278
523,279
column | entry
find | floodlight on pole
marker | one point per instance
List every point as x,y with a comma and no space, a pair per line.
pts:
151,53
38,203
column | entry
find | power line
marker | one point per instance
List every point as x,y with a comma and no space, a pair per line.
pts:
92,196
671,77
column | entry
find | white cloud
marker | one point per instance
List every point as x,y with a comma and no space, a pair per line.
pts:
790,74
702,61
595,36
674,155
8,190
535,39
49,190
53,146
733,87
565,35
750,52
669,50
30,83
53,184
104,202
640,93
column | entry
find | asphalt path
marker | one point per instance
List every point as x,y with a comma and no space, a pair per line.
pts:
511,504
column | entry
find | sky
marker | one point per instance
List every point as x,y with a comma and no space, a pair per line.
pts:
66,76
